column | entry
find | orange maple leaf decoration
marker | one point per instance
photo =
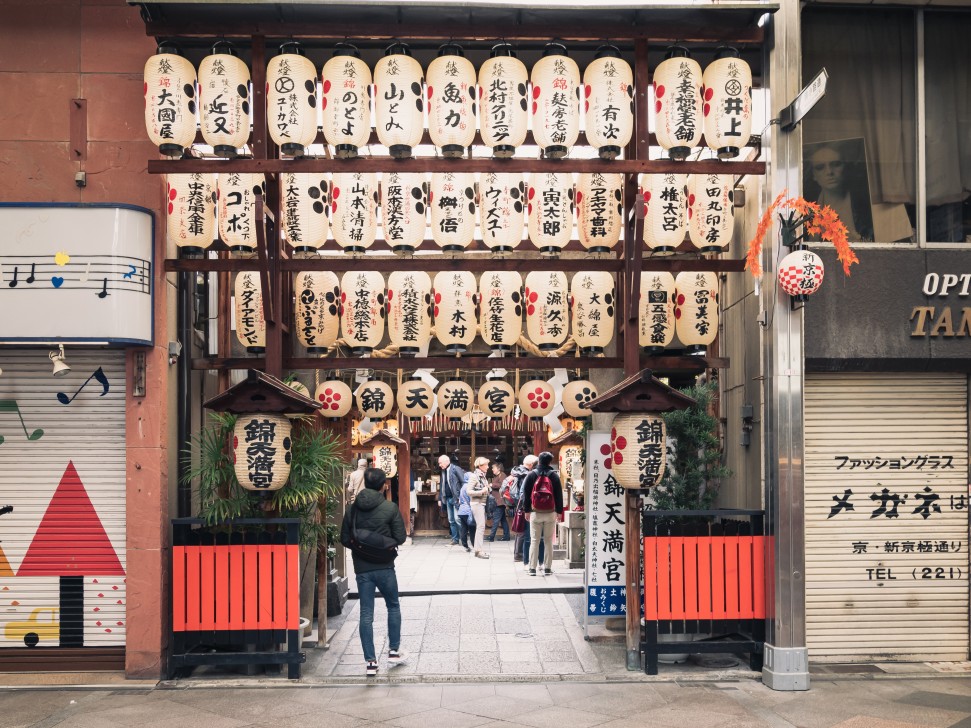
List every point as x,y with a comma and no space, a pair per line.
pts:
822,221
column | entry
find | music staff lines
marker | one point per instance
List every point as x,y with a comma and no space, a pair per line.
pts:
100,274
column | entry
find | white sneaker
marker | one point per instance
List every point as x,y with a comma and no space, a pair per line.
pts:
396,657
371,668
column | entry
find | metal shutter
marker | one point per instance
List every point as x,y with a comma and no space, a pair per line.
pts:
63,546
907,434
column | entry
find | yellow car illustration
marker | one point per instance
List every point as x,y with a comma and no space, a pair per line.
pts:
42,625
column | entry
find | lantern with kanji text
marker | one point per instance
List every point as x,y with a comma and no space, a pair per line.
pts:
374,399
502,204
497,398
409,311
550,211
503,81
593,302
248,312
362,310
451,100
455,399
452,200
711,211
384,457
665,211
291,100
655,320
224,100
696,310
346,101
501,309
678,120
305,218
727,103
801,274
190,218
403,210
398,101
236,194
556,101
354,197
455,309
637,449
316,298
170,101
600,210
546,298
415,398
608,102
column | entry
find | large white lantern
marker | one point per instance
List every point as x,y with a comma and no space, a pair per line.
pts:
403,210
170,101
550,211
316,298
452,199
415,398
248,312
711,211
190,218
224,99
696,310
655,320
455,319
374,399
547,309
503,85
346,101
577,396
665,211
409,311
398,101
593,302
335,398
237,193
536,399
305,214
362,310
501,309
600,210
637,449
678,121
451,100
385,457
727,103
608,86
497,398
801,274
455,399
354,207
556,101
502,204
291,100
261,451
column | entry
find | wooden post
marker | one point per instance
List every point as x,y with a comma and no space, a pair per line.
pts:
323,579
404,476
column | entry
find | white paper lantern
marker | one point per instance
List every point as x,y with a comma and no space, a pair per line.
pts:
455,399
556,101
677,102
362,310
455,319
501,309
190,218
261,451
609,102
398,101
503,86
385,457
346,101
354,209
236,195
600,210
665,211
409,311
547,309
801,274
571,463
335,399
711,211
248,312
502,207
497,398
305,211
696,310
224,99
655,321
536,399
577,396
403,210
451,101
374,399
550,211
452,200
638,445
727,103
593,300
170,101
291,100
316,309
415,398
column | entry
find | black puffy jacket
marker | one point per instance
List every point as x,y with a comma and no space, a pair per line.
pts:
379,515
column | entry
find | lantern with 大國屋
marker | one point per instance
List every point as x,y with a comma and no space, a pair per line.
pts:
190,219
550,211
409,311
502,204
593,301
305,220
608,102
655,320
398,101
450,82
224,100
678,120
503,103
576,395
711,211
696,310
362,310
600,210
801,274
415,398
665,211
727,93
501,309
346,101
374,399
335,398
354,210
248,312
316,298
452,201
170,101
497,398
546,298
556,101
403,210
236,194
291,100
455,309
536,399
455,399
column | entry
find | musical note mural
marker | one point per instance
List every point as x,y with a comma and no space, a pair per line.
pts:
98,375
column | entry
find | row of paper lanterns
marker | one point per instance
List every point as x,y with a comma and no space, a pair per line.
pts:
499,100
346,206
355,308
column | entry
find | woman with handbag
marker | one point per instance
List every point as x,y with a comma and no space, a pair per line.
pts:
499,507
479,489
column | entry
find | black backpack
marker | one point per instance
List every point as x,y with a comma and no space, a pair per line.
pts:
371,545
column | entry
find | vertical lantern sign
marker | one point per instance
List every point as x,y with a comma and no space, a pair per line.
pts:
237,193
547,310
415,398
316,317
248,309
593,300
170,101
501,210
346,101
398,105
362,310
335,398
375,399
304,211
355,211
665,211
600,210
452,199
550,211
451,101
727,103
638,449
190,220
291,100
556,101
386,459
261,451
501,309
403,210
656,312
455,399
608,86
497,398
224,99
455,310
711,211
409,314
696,310
678,121
503,81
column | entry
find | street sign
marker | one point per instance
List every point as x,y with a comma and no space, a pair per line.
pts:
804,102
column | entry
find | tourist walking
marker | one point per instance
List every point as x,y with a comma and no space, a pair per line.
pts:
449,487
543,504
520,547
479,489
499,506
464,512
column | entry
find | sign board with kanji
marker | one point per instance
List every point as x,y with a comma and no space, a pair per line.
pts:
606,578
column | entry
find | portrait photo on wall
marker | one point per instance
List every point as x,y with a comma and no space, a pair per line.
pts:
835,174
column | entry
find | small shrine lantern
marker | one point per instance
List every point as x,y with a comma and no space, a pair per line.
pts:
665,211
190,218
503,82
593,302
556,101
415,398
696,310
403,210
452,200
497,398
727,103
248,312
224,99
501,309
236,208
335,397
291,100
678,120
546,298
305,213
170,101
385,445
655,320
451,101
801,274
502,205
316,298
550,211
711,211
354,202
455,399
576,396
608,103
362,310
346,101
374,399
536,399
600,210
455,309
398,101
409,303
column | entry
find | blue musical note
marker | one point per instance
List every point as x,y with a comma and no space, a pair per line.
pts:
131,272
98,374
10,405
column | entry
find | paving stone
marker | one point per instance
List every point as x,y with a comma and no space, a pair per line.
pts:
478,643
531,667
570,667
439,643
478,663
558,717
438,663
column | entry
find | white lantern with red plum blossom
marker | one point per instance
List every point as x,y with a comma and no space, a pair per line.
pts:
577,396
503,102
502,207
455,399
354,197
451,100
550,211
248,312
452,200
655,321
409,311
415,398
236,206
608,103
374,399
801,274
536,399
711,211
497,398
665,211
224,100
261,451
501,308
291,100
335,398
316,309
398,101
593,300
170,101
638,449
403,210
346,101
556,101
678,121
546,298
190,219
455,309
727,103
305,219
362,310
696,309
600,210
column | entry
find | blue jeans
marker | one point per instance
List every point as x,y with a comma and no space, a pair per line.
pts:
453,521
499,517
467,530
386,582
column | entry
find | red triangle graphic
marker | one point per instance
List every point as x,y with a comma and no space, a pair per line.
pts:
70,540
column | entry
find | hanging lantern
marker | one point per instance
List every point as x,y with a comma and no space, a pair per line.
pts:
600,210
374,399
727,94
696,310
170,101
248,309
291,100
335,398
362,310
304,211
224,99
346,101
451,100
501,210
409,311
497,398
571,463
455,310
547,309
801,274
452,200
236,206
608,87
190,219
576,395
385,457
665,211
501,309
711,211
592,301
638,449
655,319
455,399
403,210
398,105
315,317
550,211
415,398
503,80
678,121
354,208
556,101
261,451
536,399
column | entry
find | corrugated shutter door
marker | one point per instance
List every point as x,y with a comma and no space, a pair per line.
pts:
62,468
887,516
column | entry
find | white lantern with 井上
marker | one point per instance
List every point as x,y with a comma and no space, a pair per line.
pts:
455,399
316,296
556,101
335,398
398,101
452,201
503,103
546,298
224,100
801,274
291,100
655,320
346,101
455,309
665,211
409,311
696,310
248,312
305,219
600,210
678,120
536,398
385,457
727,103
354,207
362,310
374,399
451,100
497,398
550,211
415,398
593,301
638,449
577,396
403,210
502,205
190,219
170,101
501,308
711,211
236,207
608,103
261,451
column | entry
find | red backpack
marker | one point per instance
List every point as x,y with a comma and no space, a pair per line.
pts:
542,497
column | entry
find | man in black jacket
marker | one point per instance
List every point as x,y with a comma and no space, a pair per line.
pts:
542,522
377,514
449,487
